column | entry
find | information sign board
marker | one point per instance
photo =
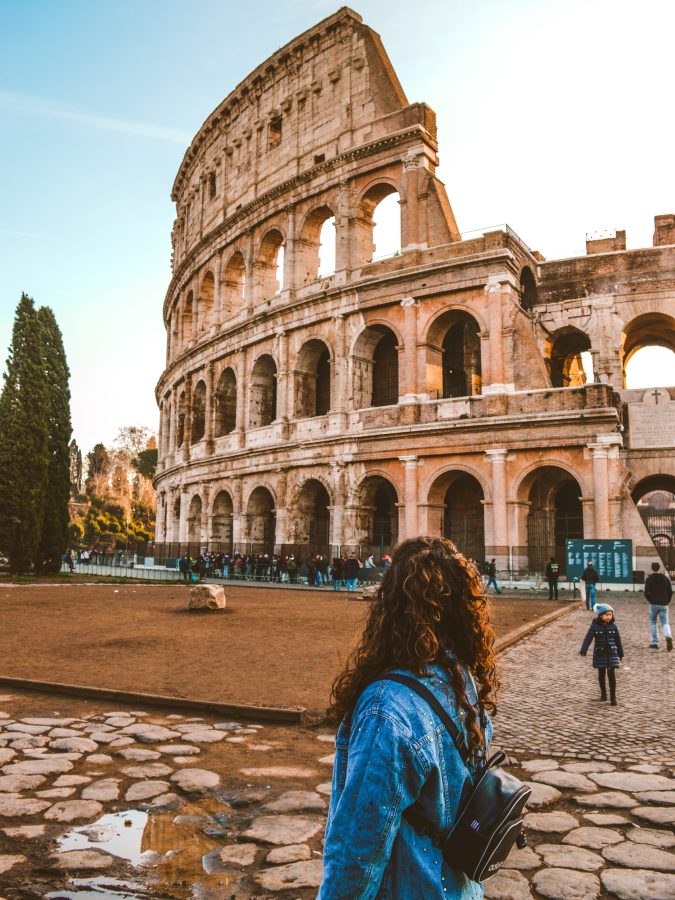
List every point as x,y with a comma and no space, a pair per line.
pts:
612,559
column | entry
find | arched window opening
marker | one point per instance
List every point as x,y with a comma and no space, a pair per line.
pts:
194,523
385,371
175,518
555,515
180,424
226,403
317,245
569,358
166,430
312,380
649,351
377,229
312,521
529,296
463,518
221,525
461,359
263,393
377,519
655,500
270,266
261,522
187,319
198,413
206,299
234,283
327,248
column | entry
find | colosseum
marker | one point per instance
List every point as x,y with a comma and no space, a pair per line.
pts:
319,395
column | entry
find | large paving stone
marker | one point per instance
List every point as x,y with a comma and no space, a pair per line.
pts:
179,749
559,856
196,781
640,856
64,733
29,743
652,836
99,759
633,781
105,790
25,832
50,723
542,794
137,754
289,854
523,859
109,737
49,766
70,810
550,822
73,860
649,768
13,806
25,728
157,735
638,884
667,798
74,744
566,884
592,837
606,819
151,770
9,860
507,885
298,801
240,855
584,768
56,793
560,779
612,799
657,815
211,736
6,755
296,875
284,829
70,780
13,784
279,772
144,790
540,765
162,803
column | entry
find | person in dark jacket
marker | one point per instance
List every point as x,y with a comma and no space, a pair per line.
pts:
350,572
608,649
552,575
590,578
659,591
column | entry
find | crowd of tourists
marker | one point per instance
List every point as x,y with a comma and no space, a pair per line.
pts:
316,570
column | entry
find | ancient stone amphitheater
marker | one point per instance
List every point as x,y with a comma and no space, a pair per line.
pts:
317,395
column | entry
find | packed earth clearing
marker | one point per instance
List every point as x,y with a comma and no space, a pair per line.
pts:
269,647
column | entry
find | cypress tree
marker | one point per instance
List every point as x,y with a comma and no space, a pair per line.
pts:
54,532
24,453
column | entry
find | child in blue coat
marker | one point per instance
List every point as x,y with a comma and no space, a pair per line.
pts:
608,650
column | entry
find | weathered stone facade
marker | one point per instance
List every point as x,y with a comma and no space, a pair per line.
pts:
439,390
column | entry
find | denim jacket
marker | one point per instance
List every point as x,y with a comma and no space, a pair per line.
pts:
396,752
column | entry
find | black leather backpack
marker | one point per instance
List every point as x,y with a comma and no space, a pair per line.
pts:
488,821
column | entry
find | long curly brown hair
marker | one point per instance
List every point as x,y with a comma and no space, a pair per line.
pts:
431,601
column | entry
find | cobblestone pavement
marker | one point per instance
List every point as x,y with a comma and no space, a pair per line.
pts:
549,700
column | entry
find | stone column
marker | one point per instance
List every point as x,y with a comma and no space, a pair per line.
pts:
209,411
343,229
290,254
600,490
519,510
173,421
408,386
411,224
282,377
500,530
187,428
281,524
498,290
410,464
241,408
205,524
184,510
238,520
337,510
249,280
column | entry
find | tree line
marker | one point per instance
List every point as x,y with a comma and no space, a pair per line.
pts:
35,430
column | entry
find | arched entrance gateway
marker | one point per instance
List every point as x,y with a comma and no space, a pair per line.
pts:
260,522
221,524
377,516
655,500
194,525
554,515
312,518
456,512
453,356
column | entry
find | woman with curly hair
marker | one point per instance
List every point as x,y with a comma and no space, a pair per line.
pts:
395,762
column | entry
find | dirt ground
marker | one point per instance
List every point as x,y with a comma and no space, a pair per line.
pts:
269,647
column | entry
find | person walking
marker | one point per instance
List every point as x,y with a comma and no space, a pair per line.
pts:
185,566
552,575
336,571
429,620
491,572
350,572
590,578
607,651
659,592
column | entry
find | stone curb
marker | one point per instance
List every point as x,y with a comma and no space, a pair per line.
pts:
514,636
278,715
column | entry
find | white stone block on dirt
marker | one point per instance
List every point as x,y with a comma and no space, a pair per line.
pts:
297,875
284,830
640,856
207,596
70,810
507,885
289,854
638,884
81,859
565,884
195,781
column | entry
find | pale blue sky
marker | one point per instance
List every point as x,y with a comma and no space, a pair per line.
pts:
554,117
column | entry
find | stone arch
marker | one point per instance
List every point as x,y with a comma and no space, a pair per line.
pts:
313,237
453,351
311,515
654,497
198,412
194,521
364,223
563,354
226,402
651,329
181,413
375,367
261,521
234,283
529,293
262,392
377,514
312,379
207,292
222,515
186,318
456,506
269,265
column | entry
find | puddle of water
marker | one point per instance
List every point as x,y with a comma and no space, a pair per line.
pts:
119,834
99,888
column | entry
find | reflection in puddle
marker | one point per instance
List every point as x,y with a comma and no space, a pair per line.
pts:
99,888
119,834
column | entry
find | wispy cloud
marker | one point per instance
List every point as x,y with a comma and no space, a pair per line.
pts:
30,234
38,106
